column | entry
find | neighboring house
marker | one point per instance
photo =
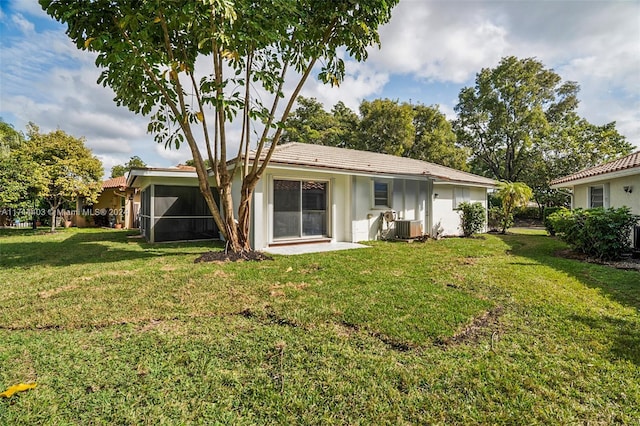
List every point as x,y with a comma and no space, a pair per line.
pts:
116,204
319,193
613,184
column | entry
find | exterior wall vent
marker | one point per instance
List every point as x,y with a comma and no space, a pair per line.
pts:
408,228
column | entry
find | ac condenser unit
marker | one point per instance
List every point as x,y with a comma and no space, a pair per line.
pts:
408,228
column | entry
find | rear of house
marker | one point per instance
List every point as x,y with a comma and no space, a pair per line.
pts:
314,193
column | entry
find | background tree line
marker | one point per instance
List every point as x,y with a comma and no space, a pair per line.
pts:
519,122
383,125
45,171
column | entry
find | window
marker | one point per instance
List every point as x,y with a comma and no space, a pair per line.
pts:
460,195
381,194
596,196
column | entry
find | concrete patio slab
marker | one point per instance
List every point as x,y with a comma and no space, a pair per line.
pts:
313,248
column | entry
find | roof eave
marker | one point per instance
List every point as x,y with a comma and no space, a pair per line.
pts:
596,178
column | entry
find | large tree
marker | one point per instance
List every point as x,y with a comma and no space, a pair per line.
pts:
123,169
386,126
68,168
414,131
520,123
435,140
310,123
20,178
10,138
249,48
572,145
509,111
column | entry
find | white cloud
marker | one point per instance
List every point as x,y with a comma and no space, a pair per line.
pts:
175,156
439,41
359,82
28,7
25,26
594,43
46,79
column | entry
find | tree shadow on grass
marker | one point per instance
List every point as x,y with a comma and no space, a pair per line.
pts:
621,286
625,335
89,247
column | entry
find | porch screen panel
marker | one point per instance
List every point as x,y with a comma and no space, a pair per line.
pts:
286,209
314,208
181,213
176,229
179,201
145,213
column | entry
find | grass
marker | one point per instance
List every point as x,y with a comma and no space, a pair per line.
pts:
114,330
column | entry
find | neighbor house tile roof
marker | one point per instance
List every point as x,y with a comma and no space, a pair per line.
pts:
117,182
186,168
629,162
327,157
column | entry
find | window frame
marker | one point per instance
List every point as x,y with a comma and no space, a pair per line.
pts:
601,187
464,198
374,198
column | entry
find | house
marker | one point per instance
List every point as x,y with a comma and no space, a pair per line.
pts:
312,193
117,204
613,184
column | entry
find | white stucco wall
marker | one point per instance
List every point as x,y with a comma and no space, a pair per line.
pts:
338,210
444,216
617,197
408,200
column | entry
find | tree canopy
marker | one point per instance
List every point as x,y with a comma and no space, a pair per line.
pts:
508,112
435,140
66,166
520,123
123,169
20,179
385,126
147,51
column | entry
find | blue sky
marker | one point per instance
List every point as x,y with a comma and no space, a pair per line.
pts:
430,50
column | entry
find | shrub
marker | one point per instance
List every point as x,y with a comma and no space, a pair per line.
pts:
527,213
512,195
472,218
602,233
494,218
545,218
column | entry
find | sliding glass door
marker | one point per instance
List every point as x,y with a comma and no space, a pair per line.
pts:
299,209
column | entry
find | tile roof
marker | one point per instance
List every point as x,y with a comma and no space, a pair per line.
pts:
117,182
624,163
186,168
327,157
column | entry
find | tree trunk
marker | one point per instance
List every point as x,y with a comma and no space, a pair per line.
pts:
54,210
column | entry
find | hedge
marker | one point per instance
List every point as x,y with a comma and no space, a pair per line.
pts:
602,233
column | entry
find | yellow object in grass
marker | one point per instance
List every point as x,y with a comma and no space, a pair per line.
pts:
21,387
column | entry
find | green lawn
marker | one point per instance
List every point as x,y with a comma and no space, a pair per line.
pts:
114,330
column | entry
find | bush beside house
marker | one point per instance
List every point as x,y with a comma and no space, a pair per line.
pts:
602,233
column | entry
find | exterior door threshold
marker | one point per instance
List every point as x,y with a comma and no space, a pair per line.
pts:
299,242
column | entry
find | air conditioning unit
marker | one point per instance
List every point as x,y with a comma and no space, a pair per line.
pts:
408,228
